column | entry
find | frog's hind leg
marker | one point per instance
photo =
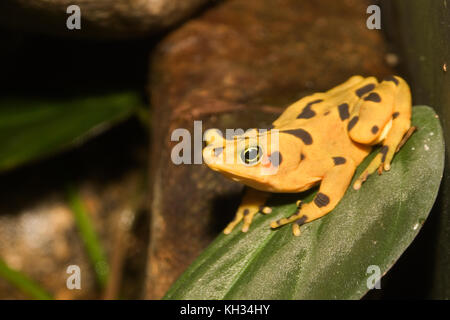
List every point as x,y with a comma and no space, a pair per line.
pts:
399,131
370,119
252,203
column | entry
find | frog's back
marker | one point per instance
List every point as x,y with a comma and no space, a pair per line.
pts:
325,118
341,99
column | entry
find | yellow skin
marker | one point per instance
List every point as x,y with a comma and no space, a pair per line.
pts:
320,139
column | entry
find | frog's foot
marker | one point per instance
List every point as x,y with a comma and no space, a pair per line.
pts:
297,219
252,203
246,213
382,161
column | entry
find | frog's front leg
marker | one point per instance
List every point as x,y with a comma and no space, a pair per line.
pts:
399,128
252,203
334,184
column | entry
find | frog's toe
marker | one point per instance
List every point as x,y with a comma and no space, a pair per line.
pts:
230,227
360,180
248,218
296,229
237,219
265,209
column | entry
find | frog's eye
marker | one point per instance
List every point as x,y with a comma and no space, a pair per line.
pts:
251,155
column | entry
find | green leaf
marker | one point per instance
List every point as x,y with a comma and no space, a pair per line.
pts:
330,259
31,128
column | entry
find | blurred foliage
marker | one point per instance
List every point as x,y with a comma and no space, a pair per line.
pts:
32,128
87,232
55,95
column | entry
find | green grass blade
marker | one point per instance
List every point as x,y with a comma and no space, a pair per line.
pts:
23,282
89,236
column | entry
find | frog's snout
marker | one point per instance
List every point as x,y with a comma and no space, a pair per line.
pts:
213,136
211,155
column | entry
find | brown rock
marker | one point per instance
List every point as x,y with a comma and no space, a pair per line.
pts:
99,18
227,68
